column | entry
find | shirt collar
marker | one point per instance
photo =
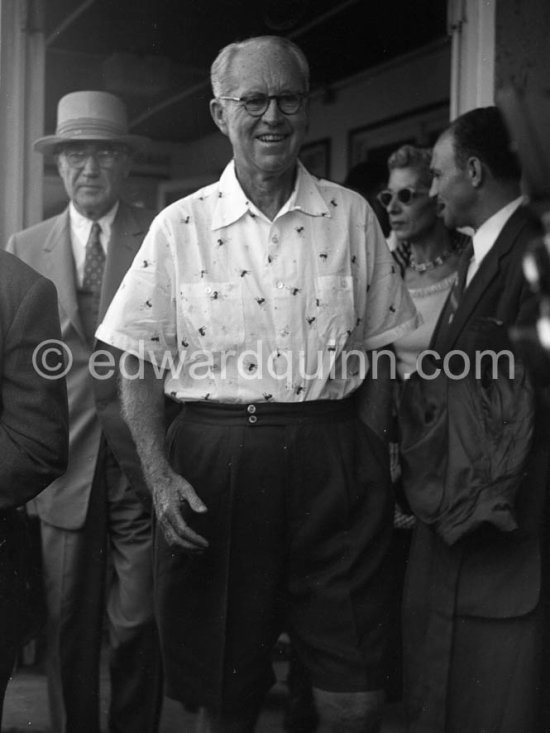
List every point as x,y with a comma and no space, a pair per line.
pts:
232,202
83,225
488,232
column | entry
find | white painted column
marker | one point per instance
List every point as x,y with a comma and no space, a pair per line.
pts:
471,24
22,60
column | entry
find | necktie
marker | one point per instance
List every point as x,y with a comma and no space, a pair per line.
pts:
451,304
460,283
94,263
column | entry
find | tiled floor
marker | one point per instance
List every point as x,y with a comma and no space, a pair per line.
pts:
26,708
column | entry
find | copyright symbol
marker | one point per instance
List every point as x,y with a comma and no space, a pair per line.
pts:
52,359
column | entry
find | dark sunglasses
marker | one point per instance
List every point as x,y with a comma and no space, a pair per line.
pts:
404,195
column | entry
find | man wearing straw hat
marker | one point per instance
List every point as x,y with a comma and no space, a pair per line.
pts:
96,510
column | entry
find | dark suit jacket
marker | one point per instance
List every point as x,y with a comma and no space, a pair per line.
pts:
33,410
93,403
34,435
494,574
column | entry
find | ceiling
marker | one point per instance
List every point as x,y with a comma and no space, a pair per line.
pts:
156,54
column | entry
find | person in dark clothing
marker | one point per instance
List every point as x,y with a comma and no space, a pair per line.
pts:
472,613
33,432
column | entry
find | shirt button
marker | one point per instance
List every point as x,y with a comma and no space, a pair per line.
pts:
343,283
280,284
252,419
275,239
251,409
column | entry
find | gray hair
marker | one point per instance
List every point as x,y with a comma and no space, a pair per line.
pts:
220,69
409,156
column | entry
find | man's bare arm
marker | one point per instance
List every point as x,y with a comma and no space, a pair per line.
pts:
143,408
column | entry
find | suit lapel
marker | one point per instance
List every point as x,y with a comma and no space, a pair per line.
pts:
58,256
481,282
126,237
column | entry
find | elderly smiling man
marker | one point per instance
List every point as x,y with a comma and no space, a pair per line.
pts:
273,501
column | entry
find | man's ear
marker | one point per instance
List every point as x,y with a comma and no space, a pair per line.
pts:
217,110
476,172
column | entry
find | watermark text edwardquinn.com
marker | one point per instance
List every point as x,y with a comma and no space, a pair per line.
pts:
53,359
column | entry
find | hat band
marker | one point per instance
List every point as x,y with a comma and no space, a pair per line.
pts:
86,127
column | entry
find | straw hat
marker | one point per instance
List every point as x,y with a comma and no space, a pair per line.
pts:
93,116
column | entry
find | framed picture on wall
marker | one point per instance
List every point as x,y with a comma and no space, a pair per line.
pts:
381,138
316,157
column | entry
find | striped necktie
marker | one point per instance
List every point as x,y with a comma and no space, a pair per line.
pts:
94,262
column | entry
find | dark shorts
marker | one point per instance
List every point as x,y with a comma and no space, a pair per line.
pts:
299,523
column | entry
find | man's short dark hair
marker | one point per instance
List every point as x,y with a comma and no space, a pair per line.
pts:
481,133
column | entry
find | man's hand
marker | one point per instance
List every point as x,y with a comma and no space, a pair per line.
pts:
175,501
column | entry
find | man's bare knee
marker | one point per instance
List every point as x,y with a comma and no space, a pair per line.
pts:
243,722
349,712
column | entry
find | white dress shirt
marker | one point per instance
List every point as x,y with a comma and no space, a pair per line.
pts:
487,234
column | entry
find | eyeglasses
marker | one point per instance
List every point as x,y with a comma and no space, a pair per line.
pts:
405,196
257,104
105,157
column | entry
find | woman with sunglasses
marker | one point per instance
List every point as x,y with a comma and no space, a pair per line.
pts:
427,254
426,251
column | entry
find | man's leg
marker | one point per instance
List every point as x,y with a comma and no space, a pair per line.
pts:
338,572
495,674
210,722
349,712
7,660
220,613
135,663
10,606
74,581
300,712
74,565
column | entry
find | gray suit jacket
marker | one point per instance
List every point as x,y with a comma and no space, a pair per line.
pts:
93,403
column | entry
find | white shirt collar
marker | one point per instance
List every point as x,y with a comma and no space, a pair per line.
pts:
233,203
81,226
487,234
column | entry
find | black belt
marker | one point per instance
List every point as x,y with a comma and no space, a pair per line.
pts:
270,413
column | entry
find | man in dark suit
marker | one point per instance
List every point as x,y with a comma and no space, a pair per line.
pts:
33,430
473,608
98,509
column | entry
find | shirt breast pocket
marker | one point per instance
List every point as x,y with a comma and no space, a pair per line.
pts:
213,315
335,315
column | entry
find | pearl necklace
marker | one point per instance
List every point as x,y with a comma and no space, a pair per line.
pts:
431,264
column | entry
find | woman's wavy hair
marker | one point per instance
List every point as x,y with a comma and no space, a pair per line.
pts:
410,156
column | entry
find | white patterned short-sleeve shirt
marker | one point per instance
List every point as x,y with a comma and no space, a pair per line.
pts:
239,308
